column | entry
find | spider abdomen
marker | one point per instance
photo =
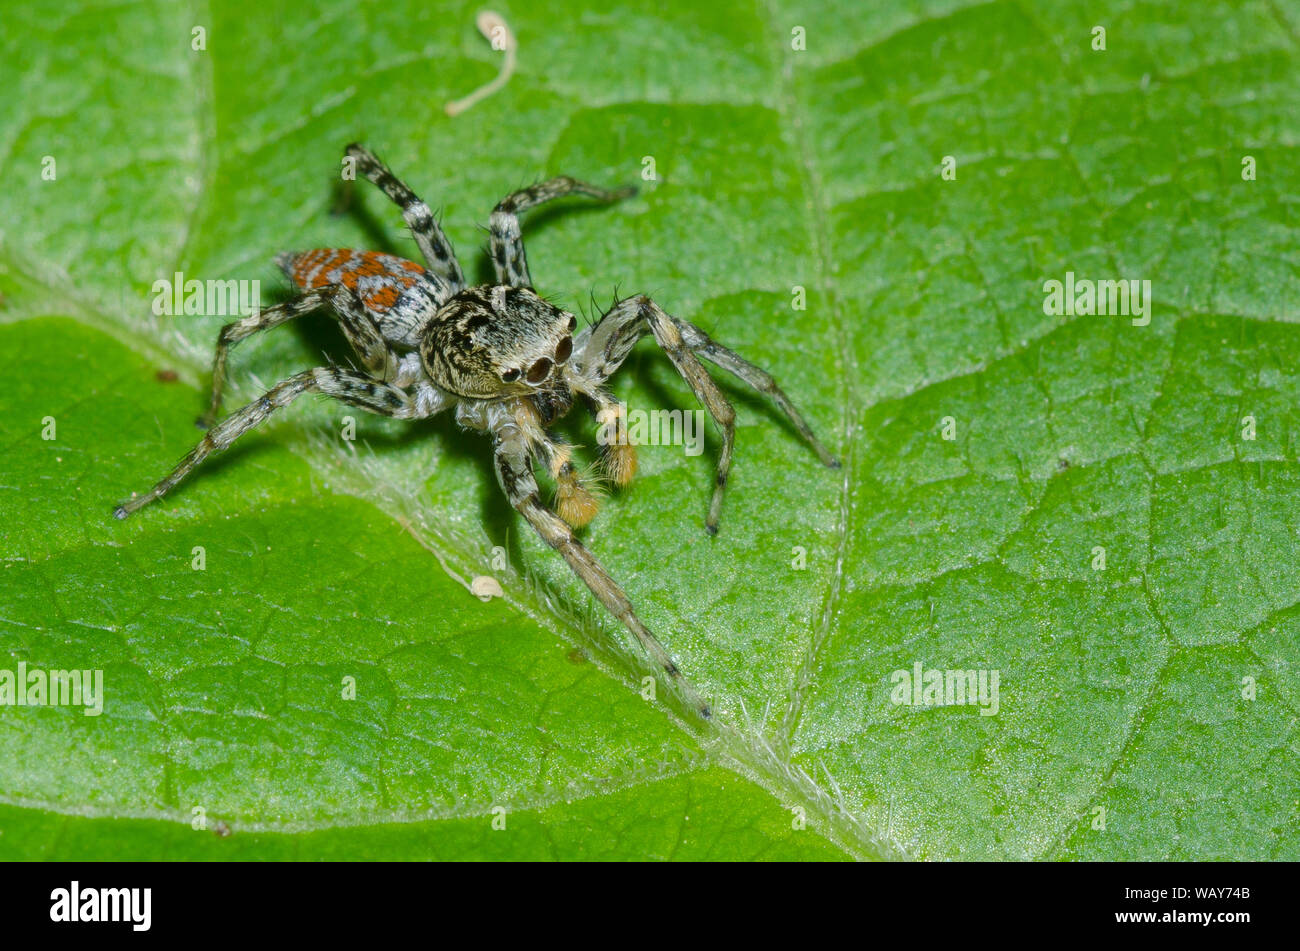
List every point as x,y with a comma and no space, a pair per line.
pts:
400,295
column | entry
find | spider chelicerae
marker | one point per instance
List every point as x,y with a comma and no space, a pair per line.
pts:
503,358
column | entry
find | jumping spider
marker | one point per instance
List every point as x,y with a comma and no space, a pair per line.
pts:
506,360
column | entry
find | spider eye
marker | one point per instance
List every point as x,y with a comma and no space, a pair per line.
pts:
538,371
573,322
563,350
510,376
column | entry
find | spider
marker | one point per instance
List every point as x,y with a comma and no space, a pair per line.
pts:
504,359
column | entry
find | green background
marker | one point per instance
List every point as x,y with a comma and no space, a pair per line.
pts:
1122,690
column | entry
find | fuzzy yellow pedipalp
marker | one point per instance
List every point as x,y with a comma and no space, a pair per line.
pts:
618,455
573,501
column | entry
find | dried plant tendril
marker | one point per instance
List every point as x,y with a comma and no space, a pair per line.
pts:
497,32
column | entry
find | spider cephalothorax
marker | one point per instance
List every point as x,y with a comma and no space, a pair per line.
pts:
496,341
507,361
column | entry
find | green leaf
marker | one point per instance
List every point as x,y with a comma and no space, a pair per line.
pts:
1145,710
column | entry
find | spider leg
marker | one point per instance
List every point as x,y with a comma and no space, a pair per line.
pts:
351,388
515,475
758,378
617,452
602,350
506,241
612,340
433,244
357,326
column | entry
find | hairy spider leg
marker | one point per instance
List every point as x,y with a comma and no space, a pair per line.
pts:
433,244
607,345
354,389
506,243
515,476
357,325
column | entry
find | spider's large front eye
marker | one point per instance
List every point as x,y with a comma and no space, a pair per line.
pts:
510,376
563,350
538,371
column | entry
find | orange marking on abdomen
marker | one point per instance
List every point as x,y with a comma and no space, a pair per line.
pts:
323,266
371,265
382,298
312,268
